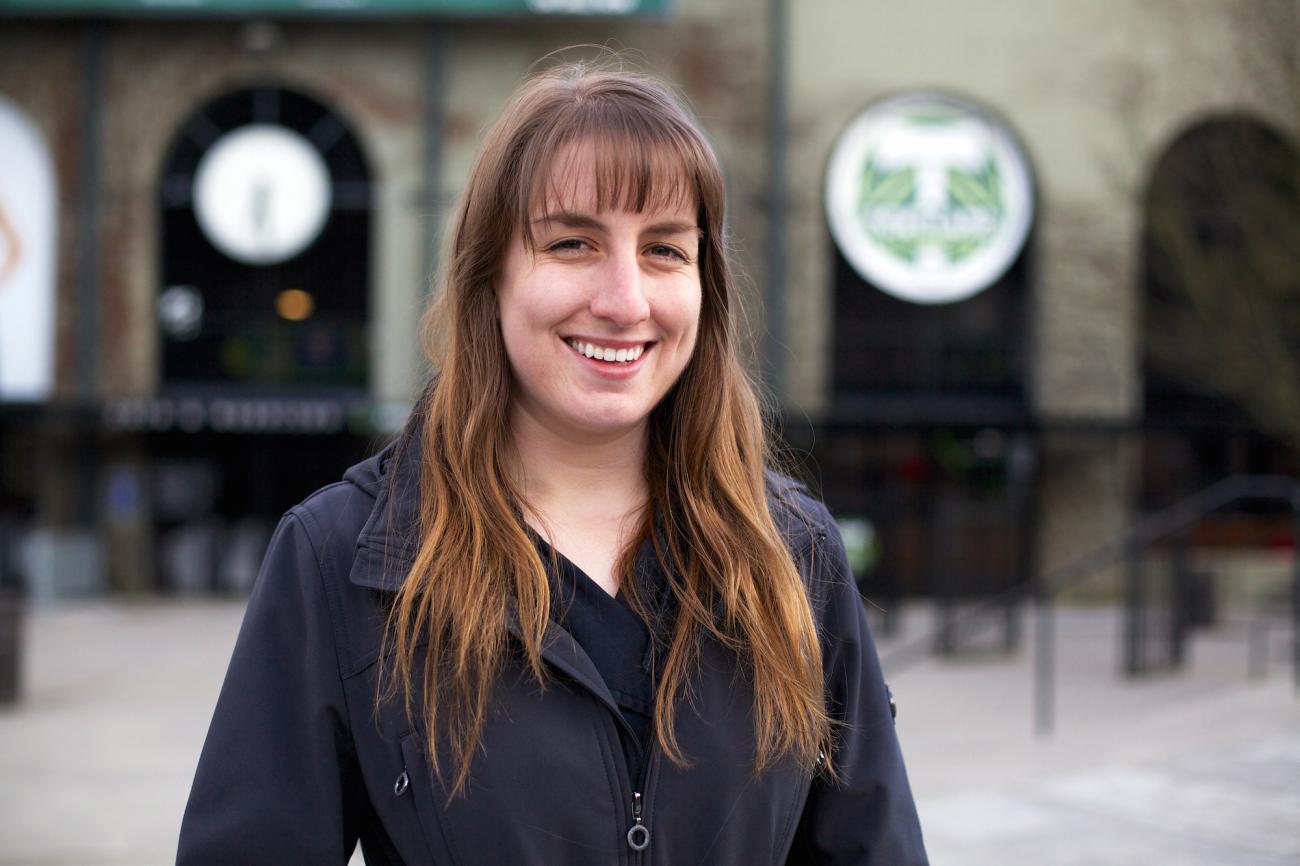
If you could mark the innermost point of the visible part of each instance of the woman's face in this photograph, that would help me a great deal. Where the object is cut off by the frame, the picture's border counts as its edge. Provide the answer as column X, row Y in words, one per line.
column 600, row 318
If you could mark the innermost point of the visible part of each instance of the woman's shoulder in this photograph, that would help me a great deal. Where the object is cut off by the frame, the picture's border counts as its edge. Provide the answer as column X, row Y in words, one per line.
column 321, row 570
column 348, row 525
column 813, row 538
column 339, row 512
column 801, row 517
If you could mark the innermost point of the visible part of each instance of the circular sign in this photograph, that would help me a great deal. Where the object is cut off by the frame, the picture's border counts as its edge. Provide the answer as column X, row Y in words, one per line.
column 262, row 194
column 929, row 198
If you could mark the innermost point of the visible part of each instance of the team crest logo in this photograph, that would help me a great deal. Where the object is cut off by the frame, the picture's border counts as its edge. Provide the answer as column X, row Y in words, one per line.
column 929, row 198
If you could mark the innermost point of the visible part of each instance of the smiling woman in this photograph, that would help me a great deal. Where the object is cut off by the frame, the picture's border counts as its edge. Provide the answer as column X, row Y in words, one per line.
column 569, row 616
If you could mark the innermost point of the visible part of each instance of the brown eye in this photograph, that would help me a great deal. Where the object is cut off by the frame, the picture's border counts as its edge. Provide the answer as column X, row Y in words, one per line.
column 568, row 245
column 667, row 251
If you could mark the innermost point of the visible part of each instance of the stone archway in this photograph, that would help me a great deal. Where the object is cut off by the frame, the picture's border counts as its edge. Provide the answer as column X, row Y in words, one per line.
column 1221, row 312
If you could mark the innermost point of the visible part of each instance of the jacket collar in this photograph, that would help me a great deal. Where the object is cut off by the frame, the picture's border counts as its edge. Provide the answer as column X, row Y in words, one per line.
column 386, row 549
column 386, row 545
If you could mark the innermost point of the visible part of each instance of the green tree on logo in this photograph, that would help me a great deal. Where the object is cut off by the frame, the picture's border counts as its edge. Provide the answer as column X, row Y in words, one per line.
column 891, row 189
column 973, row 190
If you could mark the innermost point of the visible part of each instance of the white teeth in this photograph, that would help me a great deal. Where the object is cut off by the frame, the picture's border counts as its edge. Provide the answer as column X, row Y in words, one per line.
column 607, row 353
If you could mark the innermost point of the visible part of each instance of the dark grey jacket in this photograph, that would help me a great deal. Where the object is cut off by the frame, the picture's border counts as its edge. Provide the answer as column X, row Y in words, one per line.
column 297, row 767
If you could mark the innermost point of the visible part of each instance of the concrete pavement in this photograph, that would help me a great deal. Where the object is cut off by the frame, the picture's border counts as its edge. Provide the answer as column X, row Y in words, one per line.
column 1201, row 768
column 1195, row 769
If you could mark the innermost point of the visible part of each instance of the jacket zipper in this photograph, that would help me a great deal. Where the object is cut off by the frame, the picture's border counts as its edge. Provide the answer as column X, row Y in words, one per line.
column 638, row 835
column 638, row 832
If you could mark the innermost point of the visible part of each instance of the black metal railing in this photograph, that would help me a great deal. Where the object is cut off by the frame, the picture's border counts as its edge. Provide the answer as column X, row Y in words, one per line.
column 1127, row 547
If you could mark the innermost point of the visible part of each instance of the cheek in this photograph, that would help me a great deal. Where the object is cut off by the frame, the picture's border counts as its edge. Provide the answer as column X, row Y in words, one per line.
column 525, row 312
column 688, row 316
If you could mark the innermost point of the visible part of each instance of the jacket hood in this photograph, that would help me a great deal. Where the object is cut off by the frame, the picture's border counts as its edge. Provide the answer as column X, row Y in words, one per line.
column 386, row 545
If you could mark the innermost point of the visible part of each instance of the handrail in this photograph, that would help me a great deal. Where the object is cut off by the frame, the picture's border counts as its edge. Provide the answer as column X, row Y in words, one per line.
column 1145, row 532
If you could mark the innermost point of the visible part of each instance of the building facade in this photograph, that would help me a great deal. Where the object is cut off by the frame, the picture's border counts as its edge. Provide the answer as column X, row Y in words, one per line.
column 205, row 378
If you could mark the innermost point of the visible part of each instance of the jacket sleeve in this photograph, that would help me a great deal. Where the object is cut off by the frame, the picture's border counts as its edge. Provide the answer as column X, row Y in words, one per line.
column 867, row 816
column 277, row 777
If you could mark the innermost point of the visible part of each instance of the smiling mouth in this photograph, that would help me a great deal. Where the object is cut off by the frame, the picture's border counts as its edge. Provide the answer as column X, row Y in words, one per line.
column 609, row 354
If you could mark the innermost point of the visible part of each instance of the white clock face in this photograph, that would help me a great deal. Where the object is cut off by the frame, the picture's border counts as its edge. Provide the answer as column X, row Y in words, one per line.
column 262, row 194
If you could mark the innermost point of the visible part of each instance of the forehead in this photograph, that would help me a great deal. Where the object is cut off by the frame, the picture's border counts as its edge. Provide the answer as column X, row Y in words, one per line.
column 592, row 177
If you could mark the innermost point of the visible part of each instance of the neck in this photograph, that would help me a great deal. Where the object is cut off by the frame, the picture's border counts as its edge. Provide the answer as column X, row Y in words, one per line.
column 564, row 476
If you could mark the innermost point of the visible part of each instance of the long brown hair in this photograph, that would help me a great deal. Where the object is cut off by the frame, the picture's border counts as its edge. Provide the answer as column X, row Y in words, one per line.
column 729, row 570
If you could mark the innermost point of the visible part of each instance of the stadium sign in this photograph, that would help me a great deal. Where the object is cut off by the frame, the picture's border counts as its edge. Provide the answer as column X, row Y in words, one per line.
column 929, row 198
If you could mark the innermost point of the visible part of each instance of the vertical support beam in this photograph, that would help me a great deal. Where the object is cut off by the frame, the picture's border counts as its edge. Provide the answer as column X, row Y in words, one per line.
column 79, row 475
column 88, row 315
column 435, row 86
column 774, row 345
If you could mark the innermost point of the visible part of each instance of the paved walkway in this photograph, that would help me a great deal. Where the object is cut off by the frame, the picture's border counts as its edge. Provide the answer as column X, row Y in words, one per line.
column 1198, row 769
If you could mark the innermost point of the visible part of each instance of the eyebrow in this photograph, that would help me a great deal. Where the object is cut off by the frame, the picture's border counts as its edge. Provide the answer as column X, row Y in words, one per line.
column 586, row 221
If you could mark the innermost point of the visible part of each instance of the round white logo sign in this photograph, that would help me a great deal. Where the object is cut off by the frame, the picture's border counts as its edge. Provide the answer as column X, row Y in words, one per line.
column 262, row 194
column 929, row 198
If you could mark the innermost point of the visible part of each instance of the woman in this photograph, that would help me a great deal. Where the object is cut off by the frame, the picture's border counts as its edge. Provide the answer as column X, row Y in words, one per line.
column 568, row 617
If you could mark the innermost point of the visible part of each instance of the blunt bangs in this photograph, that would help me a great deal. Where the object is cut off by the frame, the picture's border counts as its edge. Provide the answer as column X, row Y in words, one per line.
column 643, row 158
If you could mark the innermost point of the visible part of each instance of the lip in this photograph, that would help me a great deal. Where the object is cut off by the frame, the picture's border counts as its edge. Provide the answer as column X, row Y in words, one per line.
column 606, row 369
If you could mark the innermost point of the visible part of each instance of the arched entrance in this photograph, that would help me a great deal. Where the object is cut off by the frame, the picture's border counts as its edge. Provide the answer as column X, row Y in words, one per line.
column 1221, row 366
column 266, row 205
column 1221, row 315
column 264, row 305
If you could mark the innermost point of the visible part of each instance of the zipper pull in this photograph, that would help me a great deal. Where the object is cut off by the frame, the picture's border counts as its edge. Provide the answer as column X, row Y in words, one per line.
column 638, row 835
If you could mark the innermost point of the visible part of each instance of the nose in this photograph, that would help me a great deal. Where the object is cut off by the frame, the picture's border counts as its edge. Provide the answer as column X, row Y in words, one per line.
column 620, row 291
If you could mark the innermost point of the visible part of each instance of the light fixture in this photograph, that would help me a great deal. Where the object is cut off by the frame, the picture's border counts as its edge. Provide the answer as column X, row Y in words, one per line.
column 295, row 305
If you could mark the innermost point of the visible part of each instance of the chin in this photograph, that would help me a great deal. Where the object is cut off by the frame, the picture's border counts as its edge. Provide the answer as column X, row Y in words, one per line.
column 612, row 419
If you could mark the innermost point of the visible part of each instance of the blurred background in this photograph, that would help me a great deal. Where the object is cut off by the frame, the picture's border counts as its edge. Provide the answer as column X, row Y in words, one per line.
column 1021, row 280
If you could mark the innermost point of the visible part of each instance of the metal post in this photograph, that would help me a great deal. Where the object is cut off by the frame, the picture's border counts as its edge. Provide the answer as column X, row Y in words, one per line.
column 1044, row 662
column 1043, row 598
column 945, row 644
column 1180, row 602
column 1134, row 615
column 1295, row 586
column 1257, row 646
column 4, row 554
column 1011, row 621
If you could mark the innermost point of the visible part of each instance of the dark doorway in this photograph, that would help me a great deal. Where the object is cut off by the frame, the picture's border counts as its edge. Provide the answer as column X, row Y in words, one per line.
column 297, row 320
column 1221, row 312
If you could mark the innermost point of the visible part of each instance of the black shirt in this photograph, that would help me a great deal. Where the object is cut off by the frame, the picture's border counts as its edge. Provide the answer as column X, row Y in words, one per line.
column 616, row 639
